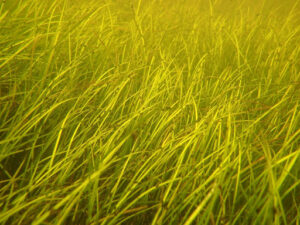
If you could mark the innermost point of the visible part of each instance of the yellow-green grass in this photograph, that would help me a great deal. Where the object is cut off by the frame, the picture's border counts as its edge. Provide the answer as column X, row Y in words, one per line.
column 149, row 112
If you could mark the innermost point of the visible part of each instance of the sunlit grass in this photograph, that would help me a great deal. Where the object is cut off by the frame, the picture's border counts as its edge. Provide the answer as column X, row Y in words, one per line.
column 149, row 112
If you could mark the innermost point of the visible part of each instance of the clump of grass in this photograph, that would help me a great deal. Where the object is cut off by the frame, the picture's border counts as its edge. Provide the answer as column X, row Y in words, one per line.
column 149, row 112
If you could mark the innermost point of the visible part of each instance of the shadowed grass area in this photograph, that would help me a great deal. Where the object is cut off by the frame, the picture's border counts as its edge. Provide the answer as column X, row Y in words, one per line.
column 149, row 112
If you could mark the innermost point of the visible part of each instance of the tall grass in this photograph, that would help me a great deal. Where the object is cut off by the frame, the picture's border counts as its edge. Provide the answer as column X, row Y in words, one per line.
column 149, row 112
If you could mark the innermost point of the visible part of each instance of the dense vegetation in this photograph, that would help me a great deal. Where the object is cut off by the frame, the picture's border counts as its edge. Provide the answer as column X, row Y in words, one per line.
column 149, row 112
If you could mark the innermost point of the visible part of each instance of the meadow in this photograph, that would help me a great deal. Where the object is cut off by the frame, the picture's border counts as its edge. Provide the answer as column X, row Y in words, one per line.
column 149, row 112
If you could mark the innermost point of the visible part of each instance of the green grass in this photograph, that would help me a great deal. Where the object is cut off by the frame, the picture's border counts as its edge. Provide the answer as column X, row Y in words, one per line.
column 149, row 112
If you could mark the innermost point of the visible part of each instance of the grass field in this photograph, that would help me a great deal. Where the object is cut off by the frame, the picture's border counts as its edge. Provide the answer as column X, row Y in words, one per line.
column 149, row 112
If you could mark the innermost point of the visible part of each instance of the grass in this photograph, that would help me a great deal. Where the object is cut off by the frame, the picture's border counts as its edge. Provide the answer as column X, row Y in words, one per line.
column 149, row 112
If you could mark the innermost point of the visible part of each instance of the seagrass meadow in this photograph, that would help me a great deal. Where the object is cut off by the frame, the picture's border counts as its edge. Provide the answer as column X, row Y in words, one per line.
column 150, row 112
